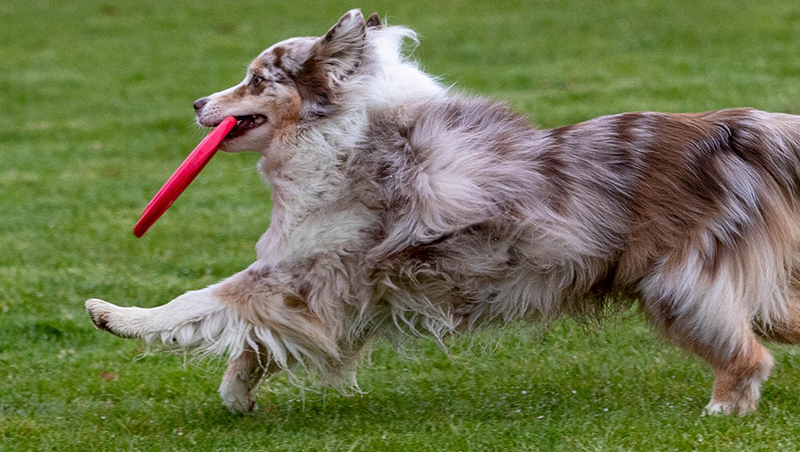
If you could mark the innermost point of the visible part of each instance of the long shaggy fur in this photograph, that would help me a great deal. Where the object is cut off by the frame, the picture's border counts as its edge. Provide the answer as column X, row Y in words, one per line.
column 404, row 208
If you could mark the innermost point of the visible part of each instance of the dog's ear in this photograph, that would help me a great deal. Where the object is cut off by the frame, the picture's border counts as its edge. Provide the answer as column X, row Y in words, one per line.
column 374, row 21
column 335, row 57
column 341, row 50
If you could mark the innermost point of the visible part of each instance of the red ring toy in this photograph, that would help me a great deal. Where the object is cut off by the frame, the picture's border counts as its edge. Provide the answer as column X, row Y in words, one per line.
column 183, row 176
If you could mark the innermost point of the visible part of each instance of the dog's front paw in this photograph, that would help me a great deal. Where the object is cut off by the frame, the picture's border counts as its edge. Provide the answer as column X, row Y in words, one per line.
column 104, row 315
column 99, row 311
column 237, row 396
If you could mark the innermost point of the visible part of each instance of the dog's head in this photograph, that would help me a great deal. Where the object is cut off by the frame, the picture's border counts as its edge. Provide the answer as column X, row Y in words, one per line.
column 292, row 82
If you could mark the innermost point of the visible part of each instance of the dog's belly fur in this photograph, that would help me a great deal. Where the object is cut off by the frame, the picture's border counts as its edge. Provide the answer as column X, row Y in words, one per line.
column 425, row 212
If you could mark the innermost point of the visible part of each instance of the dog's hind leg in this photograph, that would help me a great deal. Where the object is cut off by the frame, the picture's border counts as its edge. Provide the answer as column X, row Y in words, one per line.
column 738, row 377
column 703, row 315
column 785, row 327
column 739, row 361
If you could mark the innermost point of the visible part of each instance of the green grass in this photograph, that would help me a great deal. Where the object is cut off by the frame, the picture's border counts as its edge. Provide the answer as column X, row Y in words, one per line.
column 95, row 112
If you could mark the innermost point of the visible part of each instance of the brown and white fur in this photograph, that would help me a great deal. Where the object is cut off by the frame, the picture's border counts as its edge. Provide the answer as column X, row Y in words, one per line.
column 403, row 208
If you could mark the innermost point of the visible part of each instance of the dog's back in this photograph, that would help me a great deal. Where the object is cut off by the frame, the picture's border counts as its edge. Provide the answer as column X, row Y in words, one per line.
column 469, row 188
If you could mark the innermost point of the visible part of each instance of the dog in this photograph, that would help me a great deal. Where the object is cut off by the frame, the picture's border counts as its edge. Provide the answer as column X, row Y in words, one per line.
column 403, row 208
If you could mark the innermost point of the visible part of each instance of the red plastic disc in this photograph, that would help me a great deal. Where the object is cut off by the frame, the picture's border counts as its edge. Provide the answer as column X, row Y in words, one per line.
column 183, row 176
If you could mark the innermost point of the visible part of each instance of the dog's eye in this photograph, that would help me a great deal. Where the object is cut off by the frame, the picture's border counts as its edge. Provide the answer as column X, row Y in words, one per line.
column 257, row 80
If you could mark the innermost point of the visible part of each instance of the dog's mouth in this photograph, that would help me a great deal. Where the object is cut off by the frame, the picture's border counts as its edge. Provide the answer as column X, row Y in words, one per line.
column 246, row 124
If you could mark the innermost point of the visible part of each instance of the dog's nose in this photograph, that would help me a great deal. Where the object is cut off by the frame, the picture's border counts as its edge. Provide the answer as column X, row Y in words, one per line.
column 200, row 103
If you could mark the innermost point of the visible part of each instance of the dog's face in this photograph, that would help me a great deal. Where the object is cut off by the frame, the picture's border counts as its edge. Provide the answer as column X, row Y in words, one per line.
column 290, row 83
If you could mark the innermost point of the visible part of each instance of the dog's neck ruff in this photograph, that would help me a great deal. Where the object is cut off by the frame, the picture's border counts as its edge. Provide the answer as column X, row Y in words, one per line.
column 311, row 175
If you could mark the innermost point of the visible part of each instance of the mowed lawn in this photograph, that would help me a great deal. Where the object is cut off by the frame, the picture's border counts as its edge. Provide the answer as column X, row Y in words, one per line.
column 95, row 113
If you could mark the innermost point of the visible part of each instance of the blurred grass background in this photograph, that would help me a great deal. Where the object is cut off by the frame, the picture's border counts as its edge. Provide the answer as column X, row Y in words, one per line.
column 95, row 113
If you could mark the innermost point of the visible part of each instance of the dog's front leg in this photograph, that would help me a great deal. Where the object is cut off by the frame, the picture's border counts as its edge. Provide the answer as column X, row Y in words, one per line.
column 195, row 320
column 261, row 317
column 242, row 378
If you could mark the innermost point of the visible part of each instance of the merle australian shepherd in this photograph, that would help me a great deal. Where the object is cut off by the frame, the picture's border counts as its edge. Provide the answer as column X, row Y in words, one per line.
column 403, row 208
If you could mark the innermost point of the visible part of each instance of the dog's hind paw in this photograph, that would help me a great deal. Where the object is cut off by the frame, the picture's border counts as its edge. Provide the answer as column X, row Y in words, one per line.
column 716, row 409
column 740, row 407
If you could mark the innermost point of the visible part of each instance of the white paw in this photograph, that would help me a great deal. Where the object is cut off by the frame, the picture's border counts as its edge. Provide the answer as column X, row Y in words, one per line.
column 102, row 314
column 127, row 322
